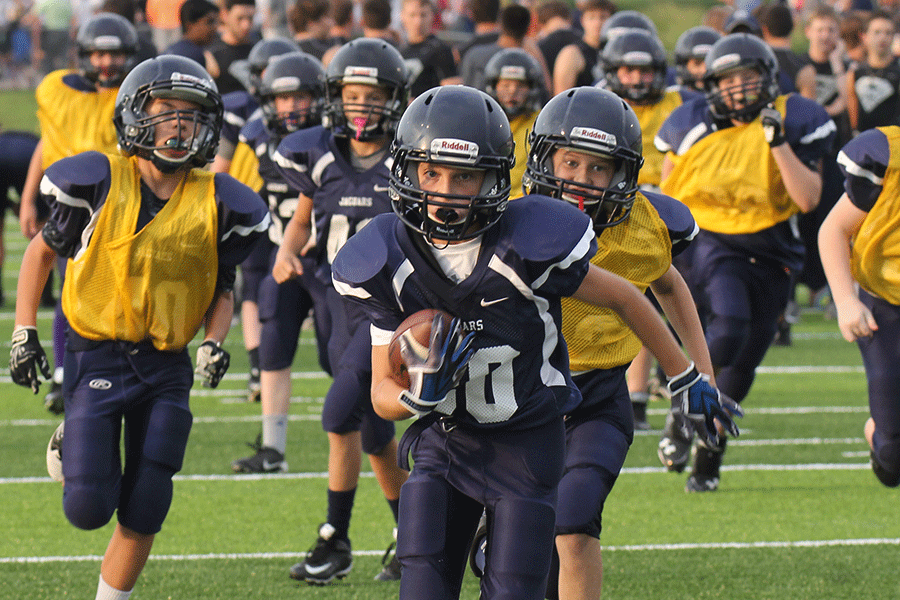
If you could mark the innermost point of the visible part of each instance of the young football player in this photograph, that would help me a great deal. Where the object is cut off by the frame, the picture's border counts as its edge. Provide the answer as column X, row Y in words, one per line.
column 290, row 92
column 240, row 161
column 75, row 111
column 586, row 149
column 515, row 80
column 342, row 172
column 745, row 160
column 490, row 395
column 152, row 242
column 858, row 243
column 690, row 56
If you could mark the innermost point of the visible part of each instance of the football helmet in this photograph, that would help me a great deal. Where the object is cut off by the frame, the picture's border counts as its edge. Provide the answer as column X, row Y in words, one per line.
column 262, row 54
column 169, row 76
column 368, row 61
column 514, row 63
column 635, row 48
column 740, row 51
column 456, row 126
column 622, row 21
column 693, row 44
column 590, row 120
column 106, row 32
column 292, row 72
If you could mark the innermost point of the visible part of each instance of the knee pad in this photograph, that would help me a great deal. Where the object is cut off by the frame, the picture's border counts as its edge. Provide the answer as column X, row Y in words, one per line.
column 725, row 336
column 146, row 496
column 582, row 495
column 886, row 460
column 92, row 472
column 376, row 433
column 345, row 401
column 166, row 437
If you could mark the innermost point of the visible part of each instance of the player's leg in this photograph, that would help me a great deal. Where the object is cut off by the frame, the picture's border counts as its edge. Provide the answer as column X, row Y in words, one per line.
column 597, row 442
column 282, row 309
column 254, row 270
column 879, row 354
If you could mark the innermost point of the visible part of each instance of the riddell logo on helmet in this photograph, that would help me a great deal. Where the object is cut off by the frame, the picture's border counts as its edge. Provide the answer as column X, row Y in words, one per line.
column 513, row 72
column 361, row 72
column 726, row 61
column 185, row 77
column 454, row 150
column 637, row 58
column 594, row 135
column 107, row 42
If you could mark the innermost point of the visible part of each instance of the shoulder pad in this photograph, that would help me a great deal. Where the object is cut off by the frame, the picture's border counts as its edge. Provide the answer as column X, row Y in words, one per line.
column 541, row 228
column 253, row 131
column 75, row 81
column 239, row 103
column 347, row 266
column 236, row 196
column 304, row 141
column 677, row 217
column 84, row 170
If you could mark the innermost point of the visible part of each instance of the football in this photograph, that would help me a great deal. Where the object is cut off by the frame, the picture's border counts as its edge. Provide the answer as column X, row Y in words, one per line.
column 417, row 330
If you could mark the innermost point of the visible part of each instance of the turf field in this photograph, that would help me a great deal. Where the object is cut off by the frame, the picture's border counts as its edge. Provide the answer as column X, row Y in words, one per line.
column 798, row 515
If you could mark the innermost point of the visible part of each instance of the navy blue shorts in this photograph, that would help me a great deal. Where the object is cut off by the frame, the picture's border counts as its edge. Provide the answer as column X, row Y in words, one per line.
column 16, row 150
column 108, row 384
column 255, row 268
column 598, row 435
column 282, row 310
column 513, row 475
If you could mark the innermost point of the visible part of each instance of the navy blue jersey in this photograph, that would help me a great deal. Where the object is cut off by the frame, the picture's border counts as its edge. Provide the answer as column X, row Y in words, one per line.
column 239, row 107
column 280, row 195
column 864, row 163
column 76, row 189
column 344, row 200
column 519, row 374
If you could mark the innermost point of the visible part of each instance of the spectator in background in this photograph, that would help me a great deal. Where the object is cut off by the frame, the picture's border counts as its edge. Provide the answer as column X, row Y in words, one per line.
column 873, row 86
column 716, row 17
column 199, row 20
column 777, row 23
column 163, row 18
column 376, row 21
column 485, row 14
column 342, row 16
column 429, row 61
column 51, row 34
column 514, row 22
column 311, row 24
column 575, row 63
column 146, row 47
column 555, row 20
column 275, row 20
column 853, row 24
column 237, row 39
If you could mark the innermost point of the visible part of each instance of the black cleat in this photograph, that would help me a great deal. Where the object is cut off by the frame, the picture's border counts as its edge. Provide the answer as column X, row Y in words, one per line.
column 328, row 559
column 53, row 401
column 701, row 483
column 887, row 478
column 391, row 568
column 266, row 460
column 478, row 549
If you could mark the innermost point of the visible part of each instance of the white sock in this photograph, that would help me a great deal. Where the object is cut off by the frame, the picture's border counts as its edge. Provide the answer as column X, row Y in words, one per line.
column 274, row 430
column 107, row 592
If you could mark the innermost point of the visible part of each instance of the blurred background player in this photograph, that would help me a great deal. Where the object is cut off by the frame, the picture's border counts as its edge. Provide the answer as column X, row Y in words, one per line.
column 634, row 68
column 342, row 172
column 237, row 38
column 859, row 248
column 586, row 149
column 690, row 56
column 156, row 227
column 290, row 94
column 75, row 112
column 574, row 65
column 429, row 60
column 490, row 399
column 199, row 20
column 240, row 161
column 16, row 150
column 745, row 160
column 516, row 81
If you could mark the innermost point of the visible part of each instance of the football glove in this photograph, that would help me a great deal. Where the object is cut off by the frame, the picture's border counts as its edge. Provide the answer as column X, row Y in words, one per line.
column 212, row 362
column 433, row 376
column 773, row 126
column 26, row 358
column 693, row 396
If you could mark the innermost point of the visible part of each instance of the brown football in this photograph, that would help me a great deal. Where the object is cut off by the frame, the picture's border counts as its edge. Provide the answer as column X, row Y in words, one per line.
column 419, row 326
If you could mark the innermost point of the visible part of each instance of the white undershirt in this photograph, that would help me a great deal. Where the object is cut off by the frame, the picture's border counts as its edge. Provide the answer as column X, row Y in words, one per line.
column 458, row 260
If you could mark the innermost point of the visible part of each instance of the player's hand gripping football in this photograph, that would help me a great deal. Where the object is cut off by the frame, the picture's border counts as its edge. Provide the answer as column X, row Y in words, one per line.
column 433, row 376
column 773, row 126
column 703, row 404
column 212, row 362
column 26, row 358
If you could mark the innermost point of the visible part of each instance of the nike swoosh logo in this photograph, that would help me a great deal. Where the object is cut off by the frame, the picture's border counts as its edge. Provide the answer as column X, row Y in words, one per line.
column 269, row 466
column 489, row 302
column 316, row 570
column 380, row 188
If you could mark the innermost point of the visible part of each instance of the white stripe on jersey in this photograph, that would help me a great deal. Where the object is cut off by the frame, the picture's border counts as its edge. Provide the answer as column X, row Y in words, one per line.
column 820, row 133
column 243, row 230
column 854, row 169
column 320, row 167
column 285, row 163
column 48, row 188
column 399, row 279
column 345, row 289
column 549, row 375
column 577, row 253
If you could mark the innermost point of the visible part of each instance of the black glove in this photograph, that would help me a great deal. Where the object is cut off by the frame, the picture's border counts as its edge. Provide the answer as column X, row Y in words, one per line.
column 26, row 357
column 212, row 362
column 433, row 376
column 773, row 126
column 693, row 396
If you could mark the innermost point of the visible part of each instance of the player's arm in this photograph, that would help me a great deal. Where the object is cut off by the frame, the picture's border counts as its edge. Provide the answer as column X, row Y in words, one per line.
column 803, row 184
column 806, row 82
column 667, row 167
column 675, row 298
column 36, row 265
column 296, row 236
column 385, row 390
column 218, row 317
column 569, row 63
column 854, row 319
column 28, row 213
